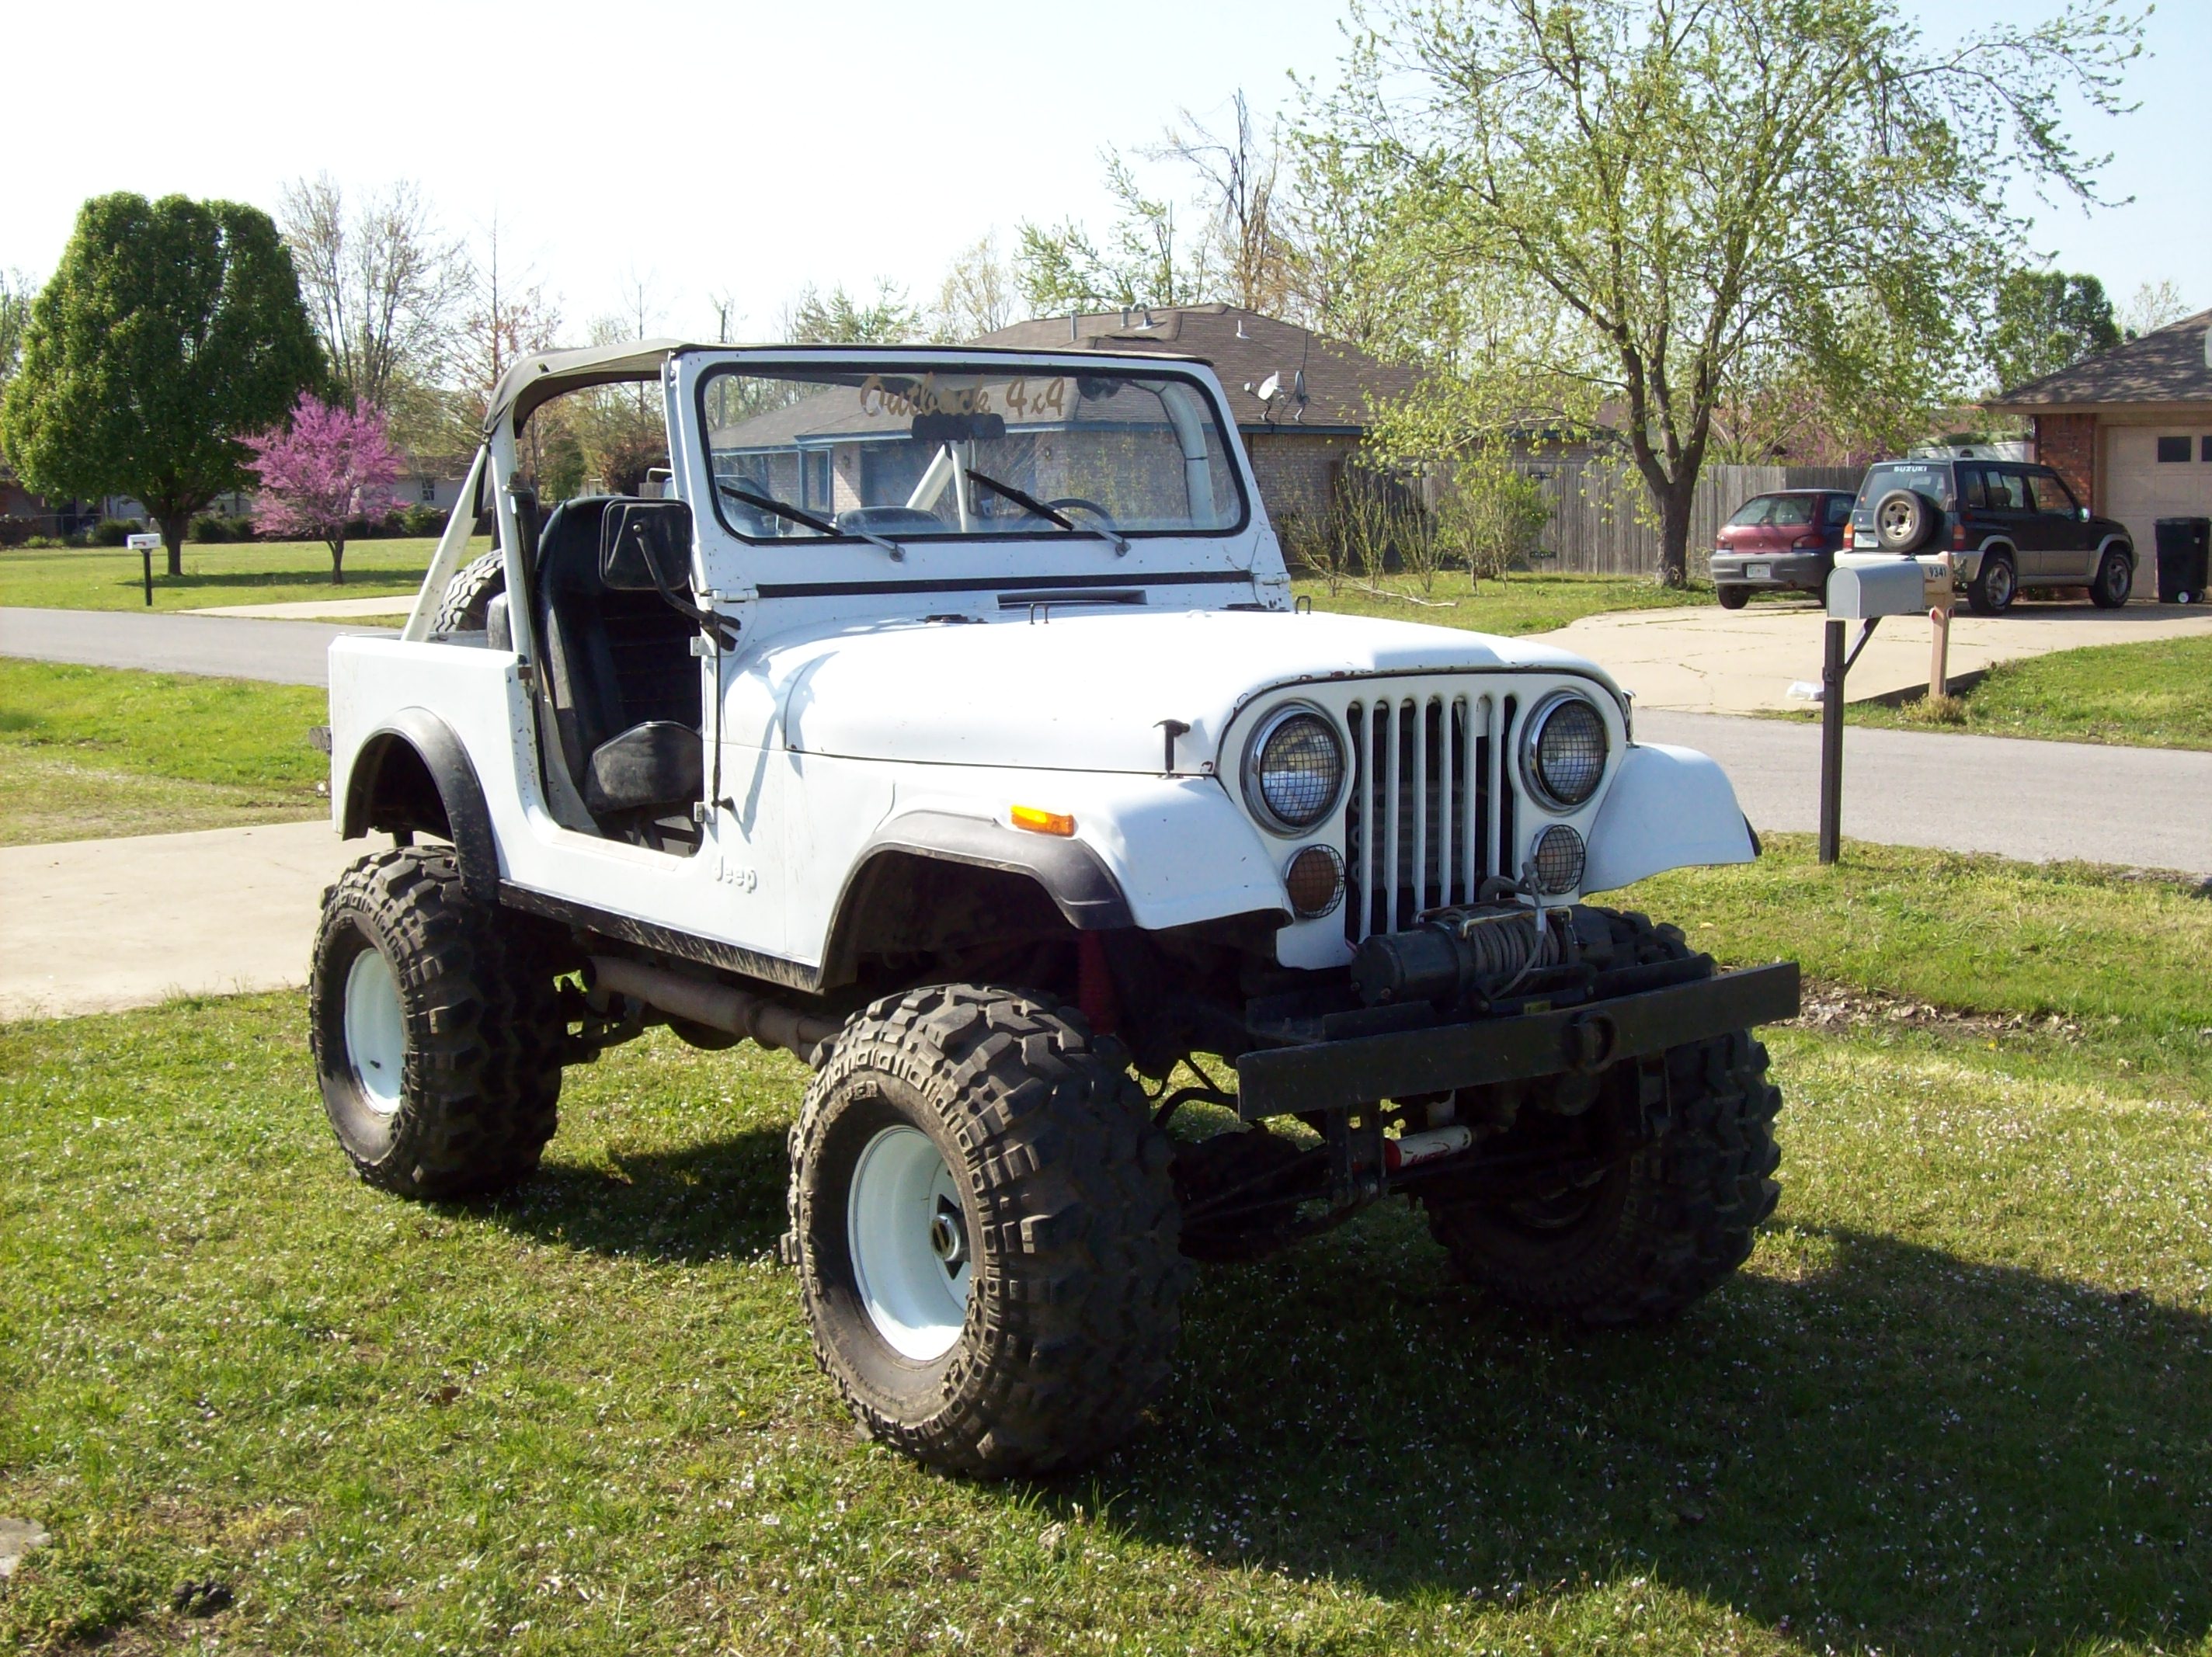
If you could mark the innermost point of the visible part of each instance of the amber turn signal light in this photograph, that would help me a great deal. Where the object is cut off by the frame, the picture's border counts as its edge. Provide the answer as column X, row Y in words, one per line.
column 1042, row 823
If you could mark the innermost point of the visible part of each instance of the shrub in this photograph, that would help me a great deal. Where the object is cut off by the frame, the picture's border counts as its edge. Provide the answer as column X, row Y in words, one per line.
column 116, row 531
column 424, row 520
column 14, row 531
column 214, row 527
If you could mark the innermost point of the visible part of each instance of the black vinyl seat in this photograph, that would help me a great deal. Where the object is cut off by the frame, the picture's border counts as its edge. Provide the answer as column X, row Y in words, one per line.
column 620, row 674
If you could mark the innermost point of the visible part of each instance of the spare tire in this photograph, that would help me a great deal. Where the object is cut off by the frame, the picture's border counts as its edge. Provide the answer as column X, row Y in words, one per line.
column 1905, row 520
column 469, row 595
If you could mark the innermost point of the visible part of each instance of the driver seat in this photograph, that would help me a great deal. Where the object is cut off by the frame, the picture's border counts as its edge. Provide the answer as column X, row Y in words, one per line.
column 620, row 676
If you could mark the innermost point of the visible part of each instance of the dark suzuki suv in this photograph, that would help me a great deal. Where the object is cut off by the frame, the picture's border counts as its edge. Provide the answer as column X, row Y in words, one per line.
column 2007, row 526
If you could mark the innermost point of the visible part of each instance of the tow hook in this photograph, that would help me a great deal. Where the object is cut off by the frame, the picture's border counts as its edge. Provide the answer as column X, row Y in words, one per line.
column 1587, row 1044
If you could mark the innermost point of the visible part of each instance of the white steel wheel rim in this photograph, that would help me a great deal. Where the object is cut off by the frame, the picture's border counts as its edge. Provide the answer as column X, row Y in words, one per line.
column 375, row 1030
column 1897, row 518
column 2000, row 581
column 906, row 1231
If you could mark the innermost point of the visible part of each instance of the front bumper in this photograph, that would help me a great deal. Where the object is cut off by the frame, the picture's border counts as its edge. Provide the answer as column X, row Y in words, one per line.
column 1344, row 1074
column 1786, row 572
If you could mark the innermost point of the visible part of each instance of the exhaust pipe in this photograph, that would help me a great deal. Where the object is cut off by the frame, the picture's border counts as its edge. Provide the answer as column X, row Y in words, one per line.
column 718, row 1006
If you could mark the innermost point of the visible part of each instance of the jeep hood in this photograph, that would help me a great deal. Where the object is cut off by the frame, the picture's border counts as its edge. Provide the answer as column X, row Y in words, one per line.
column 1083, row 692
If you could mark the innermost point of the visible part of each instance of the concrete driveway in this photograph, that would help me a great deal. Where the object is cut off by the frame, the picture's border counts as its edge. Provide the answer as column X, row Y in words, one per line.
column 94, row 925
column 288, row 652
column 1711, row 660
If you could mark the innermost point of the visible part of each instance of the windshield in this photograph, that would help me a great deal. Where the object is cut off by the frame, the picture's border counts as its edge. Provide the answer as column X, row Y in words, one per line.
column 905, row 454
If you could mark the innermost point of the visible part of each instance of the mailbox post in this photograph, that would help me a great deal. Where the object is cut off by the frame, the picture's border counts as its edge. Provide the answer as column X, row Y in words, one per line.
column 1863, row 588
column 143, row 545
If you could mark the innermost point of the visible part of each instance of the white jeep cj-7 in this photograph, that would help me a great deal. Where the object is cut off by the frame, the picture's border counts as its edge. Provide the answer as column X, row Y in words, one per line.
column 945, row 719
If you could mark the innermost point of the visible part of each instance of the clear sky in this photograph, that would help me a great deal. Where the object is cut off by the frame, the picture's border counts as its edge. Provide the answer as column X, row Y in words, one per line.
column 746, row 149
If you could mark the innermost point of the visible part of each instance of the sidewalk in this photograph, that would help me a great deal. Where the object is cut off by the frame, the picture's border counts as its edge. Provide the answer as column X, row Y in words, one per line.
column 1711, row 660
column 394, row 608
column 96, row 925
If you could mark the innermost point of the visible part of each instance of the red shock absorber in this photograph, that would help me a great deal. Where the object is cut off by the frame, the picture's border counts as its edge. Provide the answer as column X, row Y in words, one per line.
column 1094, row 985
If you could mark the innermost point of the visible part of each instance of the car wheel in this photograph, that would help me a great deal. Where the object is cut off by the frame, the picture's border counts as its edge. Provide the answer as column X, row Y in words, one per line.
column 1903, row 519
column 984, row 1222
column 1733, row 598
column 2114, row 577
column 1622, row 1215
column 1993, row 587
column 436, row 1027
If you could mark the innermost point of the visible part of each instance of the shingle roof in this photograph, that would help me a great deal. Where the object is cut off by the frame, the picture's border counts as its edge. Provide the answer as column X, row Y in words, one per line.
column 2167, row 365
column 1245, row 348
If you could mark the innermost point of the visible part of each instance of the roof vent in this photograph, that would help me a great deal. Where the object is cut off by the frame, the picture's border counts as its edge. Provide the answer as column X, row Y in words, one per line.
column 1073, row 333
column 2207, row 347
column 1240, row 334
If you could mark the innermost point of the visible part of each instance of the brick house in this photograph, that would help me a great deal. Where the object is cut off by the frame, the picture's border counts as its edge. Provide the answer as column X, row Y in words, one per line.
column 2130, row 429
column 1299, row 437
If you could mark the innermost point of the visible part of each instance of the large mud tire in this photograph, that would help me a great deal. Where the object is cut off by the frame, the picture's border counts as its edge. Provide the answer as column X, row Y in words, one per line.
column 461, row 1095
column 1685, row 1180
column 469, row 595
column 1073, row 1277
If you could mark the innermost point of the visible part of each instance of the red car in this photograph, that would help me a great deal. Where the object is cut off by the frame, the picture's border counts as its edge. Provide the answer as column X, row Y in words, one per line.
column 1785, row 541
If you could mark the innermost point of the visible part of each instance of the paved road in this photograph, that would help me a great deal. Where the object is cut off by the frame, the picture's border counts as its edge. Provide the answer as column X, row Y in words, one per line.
column 2148, row 808
column 288, row 652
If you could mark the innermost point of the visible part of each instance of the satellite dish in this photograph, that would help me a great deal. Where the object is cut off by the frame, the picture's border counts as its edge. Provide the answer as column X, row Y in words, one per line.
column 1268, row 387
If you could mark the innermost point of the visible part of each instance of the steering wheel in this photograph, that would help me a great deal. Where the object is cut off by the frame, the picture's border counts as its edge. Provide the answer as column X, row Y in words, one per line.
column 1081, row 505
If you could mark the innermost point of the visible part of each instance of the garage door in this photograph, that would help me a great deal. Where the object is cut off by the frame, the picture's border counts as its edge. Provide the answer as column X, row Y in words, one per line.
column 2154, row 472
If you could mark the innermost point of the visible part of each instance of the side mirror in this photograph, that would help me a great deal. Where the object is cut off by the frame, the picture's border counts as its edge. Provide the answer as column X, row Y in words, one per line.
column 645, row 546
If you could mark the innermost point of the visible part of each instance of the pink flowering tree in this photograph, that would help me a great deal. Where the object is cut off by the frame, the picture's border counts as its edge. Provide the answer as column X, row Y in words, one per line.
column 325, row 466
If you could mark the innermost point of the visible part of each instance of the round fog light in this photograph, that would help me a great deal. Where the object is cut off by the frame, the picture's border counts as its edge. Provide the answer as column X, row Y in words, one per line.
column 1558, row 859
column 1316, row 879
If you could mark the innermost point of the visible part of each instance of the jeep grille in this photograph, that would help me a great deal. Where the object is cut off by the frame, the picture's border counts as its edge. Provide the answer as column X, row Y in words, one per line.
column 1432, row 803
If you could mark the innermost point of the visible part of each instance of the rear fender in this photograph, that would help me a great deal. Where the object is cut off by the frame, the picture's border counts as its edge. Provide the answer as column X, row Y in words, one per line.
column 413, row 773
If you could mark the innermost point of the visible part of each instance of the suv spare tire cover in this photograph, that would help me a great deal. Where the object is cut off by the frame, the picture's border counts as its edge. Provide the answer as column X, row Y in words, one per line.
column 1903, row 518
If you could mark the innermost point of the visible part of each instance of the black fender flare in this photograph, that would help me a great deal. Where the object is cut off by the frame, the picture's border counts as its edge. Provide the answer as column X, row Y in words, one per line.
column 468, row 818
column 1068, row 871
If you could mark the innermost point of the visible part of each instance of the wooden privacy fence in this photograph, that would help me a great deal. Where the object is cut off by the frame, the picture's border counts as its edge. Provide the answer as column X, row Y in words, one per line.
column 1604, row 522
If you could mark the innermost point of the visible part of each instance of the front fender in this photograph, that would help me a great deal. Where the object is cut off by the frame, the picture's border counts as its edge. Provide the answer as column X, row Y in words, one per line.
column 1668, row 808
column 1175, row 848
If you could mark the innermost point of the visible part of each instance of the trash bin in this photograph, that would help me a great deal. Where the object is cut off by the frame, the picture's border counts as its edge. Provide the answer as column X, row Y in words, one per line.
column 2185, row 559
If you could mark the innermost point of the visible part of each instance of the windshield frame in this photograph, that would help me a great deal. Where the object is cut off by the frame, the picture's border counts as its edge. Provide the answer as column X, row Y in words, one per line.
column 981, row 360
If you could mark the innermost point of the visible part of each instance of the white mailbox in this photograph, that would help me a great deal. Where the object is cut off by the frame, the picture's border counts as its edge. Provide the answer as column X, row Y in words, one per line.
column 1866, row 586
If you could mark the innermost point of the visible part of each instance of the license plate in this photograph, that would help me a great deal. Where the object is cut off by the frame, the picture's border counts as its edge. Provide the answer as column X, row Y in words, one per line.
column 1757, row 572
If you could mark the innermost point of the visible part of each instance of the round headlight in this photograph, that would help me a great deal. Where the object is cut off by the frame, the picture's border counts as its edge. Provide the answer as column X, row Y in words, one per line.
column 1315, row 880
column 1558, row 856
column 1563, row 757
column 1294, row 769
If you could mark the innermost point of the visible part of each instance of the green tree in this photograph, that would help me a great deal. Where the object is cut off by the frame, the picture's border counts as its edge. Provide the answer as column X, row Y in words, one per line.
column 1689, row 184
column 841, row 320
column 170, row 330
column 2046, row 320
column 15, row 295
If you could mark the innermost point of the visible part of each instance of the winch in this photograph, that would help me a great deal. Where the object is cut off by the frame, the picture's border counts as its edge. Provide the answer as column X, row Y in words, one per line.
column 1488, row 951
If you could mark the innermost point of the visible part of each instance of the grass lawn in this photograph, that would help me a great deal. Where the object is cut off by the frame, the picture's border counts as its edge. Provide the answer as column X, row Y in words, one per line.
column 247, row 573
column 1519, row 603
column 87, row 752
column 2154, row 694
column 1960, row 1398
